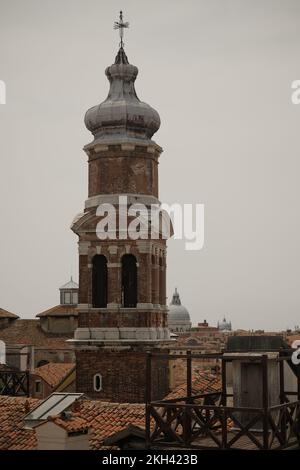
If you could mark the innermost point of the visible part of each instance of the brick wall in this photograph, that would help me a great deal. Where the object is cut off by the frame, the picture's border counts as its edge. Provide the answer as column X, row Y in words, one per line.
column 123, row 375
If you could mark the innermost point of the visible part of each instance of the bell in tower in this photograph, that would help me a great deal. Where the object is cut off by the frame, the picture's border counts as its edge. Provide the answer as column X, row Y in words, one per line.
column 122, row 280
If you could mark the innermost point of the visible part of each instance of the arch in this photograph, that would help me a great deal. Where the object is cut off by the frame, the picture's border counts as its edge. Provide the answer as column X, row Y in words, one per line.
column 129, row 281
column 99, row 282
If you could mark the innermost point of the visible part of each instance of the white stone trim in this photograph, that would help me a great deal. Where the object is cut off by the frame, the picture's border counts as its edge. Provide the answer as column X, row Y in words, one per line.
column 122, row 334
column 113, row 249
column 144, row 306
column 100, row 148
column 127, row 146
column 132, row 198
column 83, row 247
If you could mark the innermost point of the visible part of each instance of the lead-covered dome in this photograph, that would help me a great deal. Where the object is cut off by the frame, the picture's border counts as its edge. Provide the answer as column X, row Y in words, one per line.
column 122, row 114
column 178, row 318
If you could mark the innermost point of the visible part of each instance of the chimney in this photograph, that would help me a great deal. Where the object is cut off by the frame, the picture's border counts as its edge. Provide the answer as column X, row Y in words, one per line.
column 67, row 431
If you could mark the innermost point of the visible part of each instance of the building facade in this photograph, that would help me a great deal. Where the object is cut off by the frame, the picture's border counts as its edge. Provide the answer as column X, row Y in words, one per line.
column 122, row 281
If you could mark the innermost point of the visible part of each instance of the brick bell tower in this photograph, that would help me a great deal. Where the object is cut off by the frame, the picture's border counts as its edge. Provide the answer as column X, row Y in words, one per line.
column 122, row 282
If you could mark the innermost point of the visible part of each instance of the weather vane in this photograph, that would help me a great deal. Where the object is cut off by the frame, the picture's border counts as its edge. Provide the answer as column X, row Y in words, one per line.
column 121, row 25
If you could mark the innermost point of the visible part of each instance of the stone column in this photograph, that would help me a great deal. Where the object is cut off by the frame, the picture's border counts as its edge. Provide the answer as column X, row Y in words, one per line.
column 113, row 278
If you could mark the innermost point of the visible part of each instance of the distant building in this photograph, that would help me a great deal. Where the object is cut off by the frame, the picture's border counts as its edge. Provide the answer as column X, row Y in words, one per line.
column 179, row 320
column 224, row 325
column 34, row 342
column 52, row 377
column 63, row 317
column 7, row 318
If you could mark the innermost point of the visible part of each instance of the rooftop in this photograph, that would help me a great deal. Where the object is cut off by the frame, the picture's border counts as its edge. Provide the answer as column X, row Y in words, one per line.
column 59, row 311
column 29, row 332
column 6, row 314
column 54, row 373
column 105, row 419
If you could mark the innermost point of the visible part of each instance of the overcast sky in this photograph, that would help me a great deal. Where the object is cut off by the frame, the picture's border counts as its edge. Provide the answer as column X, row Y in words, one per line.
column 219, row 72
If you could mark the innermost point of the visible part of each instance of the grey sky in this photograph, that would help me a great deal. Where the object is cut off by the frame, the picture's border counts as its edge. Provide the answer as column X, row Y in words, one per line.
column 219, row 72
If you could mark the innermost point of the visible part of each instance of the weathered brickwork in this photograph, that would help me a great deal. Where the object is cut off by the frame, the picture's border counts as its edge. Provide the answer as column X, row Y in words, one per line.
column 123, row 375
column 123, row 160
column 151, row 269
column 121, row 171
column 131, row 318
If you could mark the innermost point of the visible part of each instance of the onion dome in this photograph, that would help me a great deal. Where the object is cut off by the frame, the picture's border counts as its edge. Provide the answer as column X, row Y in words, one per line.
column 122, row 114
column 179, row 318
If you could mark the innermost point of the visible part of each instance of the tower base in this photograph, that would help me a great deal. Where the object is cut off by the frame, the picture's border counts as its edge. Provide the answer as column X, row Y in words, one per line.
column 123, row 374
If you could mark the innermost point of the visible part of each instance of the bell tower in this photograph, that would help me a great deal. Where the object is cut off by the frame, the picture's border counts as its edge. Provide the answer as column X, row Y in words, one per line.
column 122, row 281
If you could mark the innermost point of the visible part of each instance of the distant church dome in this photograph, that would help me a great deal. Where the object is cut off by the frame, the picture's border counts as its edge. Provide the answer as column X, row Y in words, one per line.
column 122, row 114
column 179, row 318
column 224, row 325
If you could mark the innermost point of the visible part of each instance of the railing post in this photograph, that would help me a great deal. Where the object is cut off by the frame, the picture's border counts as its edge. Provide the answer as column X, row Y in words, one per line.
column 224, row 428
column 28, row 382
column 281, row 381
column 297, row 424
column 224, row 380
column 298, row 381
column 282, row 412
column 148, row 398
column 189, row 376
column 265, row 401
column 187, row 417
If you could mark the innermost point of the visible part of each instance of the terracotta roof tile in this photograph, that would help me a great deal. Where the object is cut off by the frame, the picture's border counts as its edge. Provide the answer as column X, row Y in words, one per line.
column 73, row 424
column 54, row 373
column 104, row 419
column 202, row 382
column 12, row 432
column 30, row 332
column 6, row 314
column 59, row 311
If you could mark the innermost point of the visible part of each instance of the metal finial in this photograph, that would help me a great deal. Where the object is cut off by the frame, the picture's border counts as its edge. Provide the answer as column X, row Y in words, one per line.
column 121, row 25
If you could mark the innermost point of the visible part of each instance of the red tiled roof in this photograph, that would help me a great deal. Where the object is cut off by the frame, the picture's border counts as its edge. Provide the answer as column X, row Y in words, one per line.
column 6, row 314
column 59, row 311
column 108, row 418
column 202, row 382
column 104, row 419
column 73, row 424
column 30, row 332
column 12, row 432
column 54, row 373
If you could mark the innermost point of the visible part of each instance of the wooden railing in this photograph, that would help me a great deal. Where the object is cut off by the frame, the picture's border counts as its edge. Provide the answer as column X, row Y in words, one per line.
column 14, row 383
column 207, row 425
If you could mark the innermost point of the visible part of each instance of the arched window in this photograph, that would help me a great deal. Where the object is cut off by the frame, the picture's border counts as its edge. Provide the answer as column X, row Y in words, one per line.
column 97, row 382
column 99, row 282
column 129, row 281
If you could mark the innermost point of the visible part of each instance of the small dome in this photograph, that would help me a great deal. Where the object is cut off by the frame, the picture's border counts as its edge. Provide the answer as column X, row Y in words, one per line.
column 178, row 317
column 122, row 114
column 224, row 325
